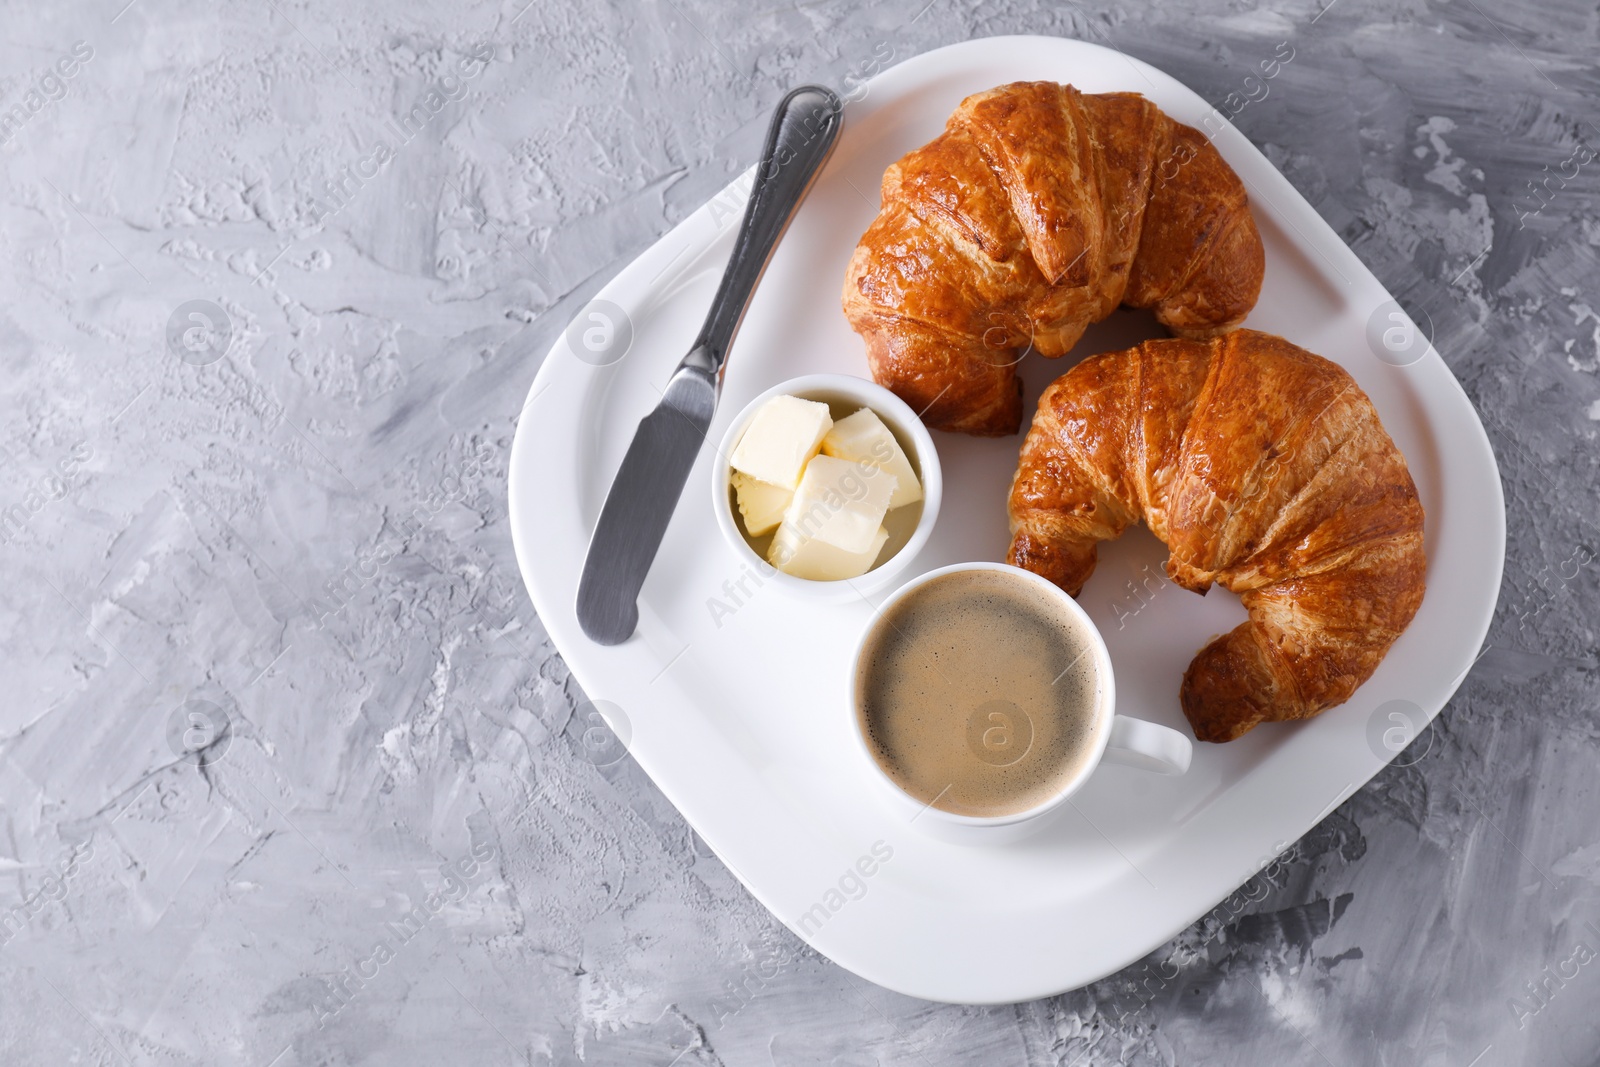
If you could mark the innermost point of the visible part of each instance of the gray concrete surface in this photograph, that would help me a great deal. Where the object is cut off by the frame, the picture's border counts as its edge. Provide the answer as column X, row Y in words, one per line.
column 300, row 531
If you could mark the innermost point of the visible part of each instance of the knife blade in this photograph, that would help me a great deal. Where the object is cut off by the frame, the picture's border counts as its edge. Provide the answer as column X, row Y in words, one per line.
column 645, row 491
column 640, row 504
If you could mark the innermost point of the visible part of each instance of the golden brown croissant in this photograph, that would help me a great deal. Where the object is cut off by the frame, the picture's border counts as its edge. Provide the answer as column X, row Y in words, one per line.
column 1034, row 214
column 1263, row 468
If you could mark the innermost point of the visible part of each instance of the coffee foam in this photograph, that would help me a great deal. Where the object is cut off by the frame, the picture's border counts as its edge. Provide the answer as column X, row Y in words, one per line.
column 978, row 693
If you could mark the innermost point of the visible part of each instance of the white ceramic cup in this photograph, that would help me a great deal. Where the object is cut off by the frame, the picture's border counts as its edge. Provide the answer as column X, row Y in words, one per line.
column 1117, row 738
column 852, row 392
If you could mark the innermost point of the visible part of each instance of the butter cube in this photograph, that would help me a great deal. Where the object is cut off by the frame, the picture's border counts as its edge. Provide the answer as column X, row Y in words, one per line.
column 818, row 560
column 840, row 503
column 785, row 432
column 761, row 504
column 864, row 438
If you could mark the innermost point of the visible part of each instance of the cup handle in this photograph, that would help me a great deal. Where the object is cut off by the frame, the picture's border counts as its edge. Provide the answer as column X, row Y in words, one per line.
column 1136, row 743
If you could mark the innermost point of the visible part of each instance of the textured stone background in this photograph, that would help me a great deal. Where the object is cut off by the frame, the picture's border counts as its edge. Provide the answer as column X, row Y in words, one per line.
column 307, row 538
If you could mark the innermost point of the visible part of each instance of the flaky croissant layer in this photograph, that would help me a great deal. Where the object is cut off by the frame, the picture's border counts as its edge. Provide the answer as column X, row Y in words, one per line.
column 1264, row 469
column 1036, row 213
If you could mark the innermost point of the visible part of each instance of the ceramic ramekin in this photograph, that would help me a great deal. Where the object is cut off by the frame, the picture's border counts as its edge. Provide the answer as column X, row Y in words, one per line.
column 907, row 429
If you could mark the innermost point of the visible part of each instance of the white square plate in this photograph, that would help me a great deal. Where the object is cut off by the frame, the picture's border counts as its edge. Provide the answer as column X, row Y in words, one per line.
column 742, row 719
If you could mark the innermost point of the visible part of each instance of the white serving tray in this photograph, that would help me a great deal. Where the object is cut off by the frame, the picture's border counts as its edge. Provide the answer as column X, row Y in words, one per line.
column 742, row 720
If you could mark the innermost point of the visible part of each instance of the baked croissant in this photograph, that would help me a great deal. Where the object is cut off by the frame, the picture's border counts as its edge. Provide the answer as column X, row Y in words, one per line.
column 1264, row 469
column 1035, row 214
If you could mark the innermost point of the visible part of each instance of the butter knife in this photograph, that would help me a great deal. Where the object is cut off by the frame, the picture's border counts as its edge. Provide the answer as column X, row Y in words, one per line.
column 645, row 492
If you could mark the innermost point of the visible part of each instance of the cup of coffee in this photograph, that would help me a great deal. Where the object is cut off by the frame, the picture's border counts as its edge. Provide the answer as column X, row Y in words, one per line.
column 983, row 699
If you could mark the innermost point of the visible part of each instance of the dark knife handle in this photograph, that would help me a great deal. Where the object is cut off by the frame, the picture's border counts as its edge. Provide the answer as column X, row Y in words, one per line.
column 803, row 132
